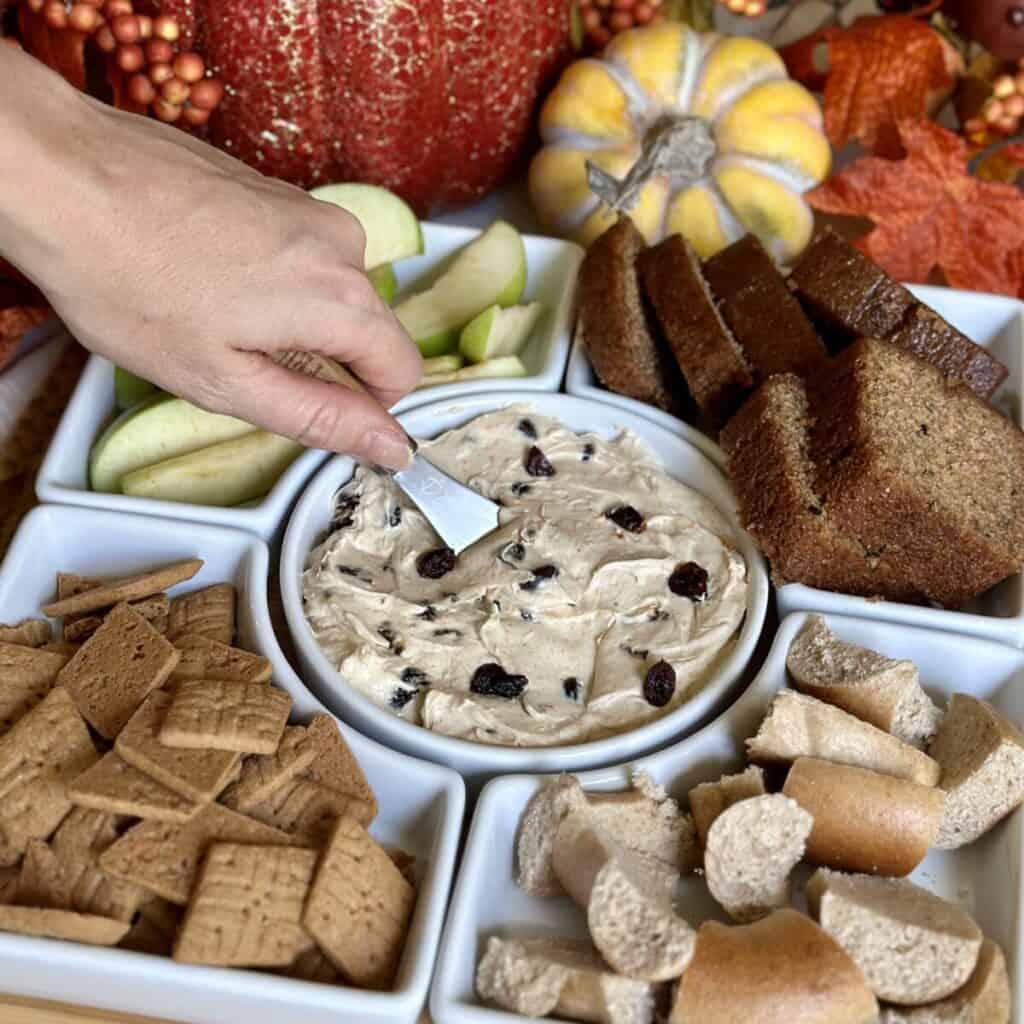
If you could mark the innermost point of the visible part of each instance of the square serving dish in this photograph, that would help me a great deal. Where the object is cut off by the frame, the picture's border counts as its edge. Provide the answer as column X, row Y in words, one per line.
column 984, row 877
column 994, row 322
column 552, row 265
column 421, row 805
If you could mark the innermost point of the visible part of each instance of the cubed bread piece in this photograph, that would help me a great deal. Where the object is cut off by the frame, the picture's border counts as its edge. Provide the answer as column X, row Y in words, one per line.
column 709, row 799
column 880, row 690
column 783, row 968
column 762, row 312
column 625, row 354
column 542, row 977
column 919, row 466
column 984, row 999
column 768, row 447
column 913, row 946
column 751, row 850
column 981, row 754
column 716, row 370
column 627, row 900
column 802, row 726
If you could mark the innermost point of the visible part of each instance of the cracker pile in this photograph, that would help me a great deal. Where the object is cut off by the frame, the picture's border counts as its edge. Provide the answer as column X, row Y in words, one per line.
column 154, row 797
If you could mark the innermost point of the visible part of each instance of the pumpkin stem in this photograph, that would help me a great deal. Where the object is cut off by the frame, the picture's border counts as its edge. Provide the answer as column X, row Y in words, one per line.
column 680, row 147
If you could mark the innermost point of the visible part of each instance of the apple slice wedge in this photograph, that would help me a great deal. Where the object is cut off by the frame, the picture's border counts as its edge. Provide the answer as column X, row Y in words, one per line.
column 384, row 282
column 490, row 270
column 498, row 332
column 503, row 366
column 443, row 364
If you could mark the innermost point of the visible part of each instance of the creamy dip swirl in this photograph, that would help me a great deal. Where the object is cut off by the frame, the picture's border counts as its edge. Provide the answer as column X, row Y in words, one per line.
column 574, row 606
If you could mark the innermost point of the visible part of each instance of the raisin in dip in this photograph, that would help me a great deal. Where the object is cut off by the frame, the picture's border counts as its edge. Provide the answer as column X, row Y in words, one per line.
column 607, row 597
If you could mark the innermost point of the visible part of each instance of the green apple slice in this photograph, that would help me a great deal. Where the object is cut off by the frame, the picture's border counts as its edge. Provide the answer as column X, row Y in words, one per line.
column 392, row 230
column 384, row 282
column 490, row 270
column 159, row 428
column 443, row 364
column 503, row 366
column 129, row 389
column 498, row 332
column 224, row 474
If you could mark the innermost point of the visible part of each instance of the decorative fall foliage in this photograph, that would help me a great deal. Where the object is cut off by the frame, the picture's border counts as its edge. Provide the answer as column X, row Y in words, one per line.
column 879, row 69
column 931, row 214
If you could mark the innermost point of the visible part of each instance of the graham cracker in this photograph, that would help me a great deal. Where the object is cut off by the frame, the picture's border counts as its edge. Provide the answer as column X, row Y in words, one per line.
column 116, row 668
column 336, row 768
column 163, row 916
column 263, row 774
column 63, row 924
column 205, row 713
column 359, row 907
column 145, row 937
column 247, row 907
column 70, row 584
column 303, row 809
column 312, row 965
column 27, row 633
column 198, row 775
column 132, row 588
column 114, row 786
column 9, row 884
column 203, row 658
column 404, row 861
column 28, row 674
column 163, row 858
column 208, row 612
column 39, row 756
column 69, row 650
column 44, row 881
column 155, row 610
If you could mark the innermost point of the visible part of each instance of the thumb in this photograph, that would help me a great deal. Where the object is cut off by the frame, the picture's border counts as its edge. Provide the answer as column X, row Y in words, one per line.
column 318, row 414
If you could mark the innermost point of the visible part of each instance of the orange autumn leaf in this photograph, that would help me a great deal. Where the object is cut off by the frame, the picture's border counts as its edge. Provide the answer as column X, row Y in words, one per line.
column 931, row 213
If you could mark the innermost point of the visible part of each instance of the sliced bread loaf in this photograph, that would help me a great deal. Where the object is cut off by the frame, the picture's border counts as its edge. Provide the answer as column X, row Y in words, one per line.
column 783, row 969
column 921, row 467
column 710, row 799
column 541, row 977
column 864, row 821
column 716, row 371
column 880, row 690
column 764, row 316
column 981, row 754
column 802, row 726
column 625, row 354
column 985, row 999
column 768, row 446
column 913, row 946
column 751, row 850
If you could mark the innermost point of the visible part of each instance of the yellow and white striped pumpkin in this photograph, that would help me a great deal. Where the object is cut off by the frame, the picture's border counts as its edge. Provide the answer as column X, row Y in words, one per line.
column 763, row 136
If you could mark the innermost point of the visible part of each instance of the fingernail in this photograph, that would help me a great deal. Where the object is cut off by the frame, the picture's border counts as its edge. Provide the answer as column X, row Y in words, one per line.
column 390, row 450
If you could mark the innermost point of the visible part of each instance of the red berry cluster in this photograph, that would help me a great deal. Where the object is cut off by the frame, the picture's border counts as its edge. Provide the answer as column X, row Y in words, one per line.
column 748, row 8
column 1001, row 114
column 175, row 84
column 603, row 19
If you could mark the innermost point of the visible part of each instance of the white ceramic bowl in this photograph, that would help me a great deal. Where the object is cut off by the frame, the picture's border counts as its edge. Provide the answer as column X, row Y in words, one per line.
column 985, row 877
column 479, row 761
column 421, row 805
column 994, row 322
column 552, row 265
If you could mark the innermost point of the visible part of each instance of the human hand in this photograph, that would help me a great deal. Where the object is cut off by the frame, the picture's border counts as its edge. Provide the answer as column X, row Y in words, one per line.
column 187, row 267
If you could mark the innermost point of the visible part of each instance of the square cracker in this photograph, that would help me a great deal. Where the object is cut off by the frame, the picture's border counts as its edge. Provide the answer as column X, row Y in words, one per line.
column 203, row 658
column 196, row 774
column 27, row 633
column 163, row 858
column 44, row 880
column 312, row 965
column 115, row 786
column 247, row 717
column 39, row 756
column 247, row 905
column 70, row 585
column 9, row 884
column 359, row 907
column 27, row 674
column 155, row 610
column 132, row 588
column 63, row 924
column 145, row 937
column 116, row 668
column 336, row 767
column 208, row 612
column 264, row 774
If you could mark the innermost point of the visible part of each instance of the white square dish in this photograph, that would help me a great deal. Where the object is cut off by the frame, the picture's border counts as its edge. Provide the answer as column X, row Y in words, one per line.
column 552, row 265
column 994, row 322
column 984, row 877
column 421, row 805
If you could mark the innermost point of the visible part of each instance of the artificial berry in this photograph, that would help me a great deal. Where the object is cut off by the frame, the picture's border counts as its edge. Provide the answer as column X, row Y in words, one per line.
column 195, row 116
column 746, row 8
column 56, row 14
column 116, row 8
column 130, row 58
column 141, row 90
column 83, row 18
column 36, row 6
column 160, row 73
column 169, row 112
column 603, row 19
column 175, row 91
column 145, row 25
column 189, row 67
column 206, row 94
column 166, row 27
column 105, row 39
column 159, row 51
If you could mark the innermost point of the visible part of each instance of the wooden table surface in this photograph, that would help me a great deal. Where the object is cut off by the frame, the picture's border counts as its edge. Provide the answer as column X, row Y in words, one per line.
column 14, row 1010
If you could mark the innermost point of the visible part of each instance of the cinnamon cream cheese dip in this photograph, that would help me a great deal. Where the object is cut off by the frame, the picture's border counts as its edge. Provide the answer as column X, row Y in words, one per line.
column 607, row 597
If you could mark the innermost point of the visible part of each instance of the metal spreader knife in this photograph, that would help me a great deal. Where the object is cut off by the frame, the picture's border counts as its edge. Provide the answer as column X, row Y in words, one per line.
column 457, row 513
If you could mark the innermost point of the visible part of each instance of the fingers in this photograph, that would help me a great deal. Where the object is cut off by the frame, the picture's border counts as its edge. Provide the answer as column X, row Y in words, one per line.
column 316, row 414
